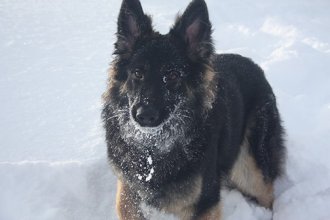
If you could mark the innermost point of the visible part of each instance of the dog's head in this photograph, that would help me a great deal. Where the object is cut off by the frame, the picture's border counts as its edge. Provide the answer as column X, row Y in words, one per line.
column 158, row 75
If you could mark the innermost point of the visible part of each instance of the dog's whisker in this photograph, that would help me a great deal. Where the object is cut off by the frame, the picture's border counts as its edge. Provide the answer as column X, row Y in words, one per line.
column 184, row 116
column 116, row 116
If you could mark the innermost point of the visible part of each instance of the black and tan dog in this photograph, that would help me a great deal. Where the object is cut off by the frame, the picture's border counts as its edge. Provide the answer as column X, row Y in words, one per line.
column 182, row 121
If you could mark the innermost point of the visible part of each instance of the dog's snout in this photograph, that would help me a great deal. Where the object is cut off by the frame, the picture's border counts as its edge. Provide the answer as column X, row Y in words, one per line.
column 147, row 116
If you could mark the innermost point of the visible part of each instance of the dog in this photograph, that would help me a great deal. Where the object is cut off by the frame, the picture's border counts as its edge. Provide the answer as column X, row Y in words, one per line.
column 182, row 121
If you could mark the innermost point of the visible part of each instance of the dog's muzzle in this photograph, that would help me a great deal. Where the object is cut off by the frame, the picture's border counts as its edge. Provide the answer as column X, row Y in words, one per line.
column 146, row 115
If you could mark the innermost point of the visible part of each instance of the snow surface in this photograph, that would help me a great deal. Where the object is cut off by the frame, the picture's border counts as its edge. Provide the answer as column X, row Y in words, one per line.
column 53, row 61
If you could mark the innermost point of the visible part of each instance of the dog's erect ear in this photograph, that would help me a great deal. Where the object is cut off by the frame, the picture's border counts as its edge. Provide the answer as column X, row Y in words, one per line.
column 132, row 24
column 194, row 29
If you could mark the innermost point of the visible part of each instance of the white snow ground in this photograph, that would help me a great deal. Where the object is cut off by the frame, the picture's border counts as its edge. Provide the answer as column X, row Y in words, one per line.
column 53, row 61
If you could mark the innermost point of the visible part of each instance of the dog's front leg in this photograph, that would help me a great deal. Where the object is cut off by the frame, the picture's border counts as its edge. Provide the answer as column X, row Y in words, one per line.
column 127, row 203
column 213, row 213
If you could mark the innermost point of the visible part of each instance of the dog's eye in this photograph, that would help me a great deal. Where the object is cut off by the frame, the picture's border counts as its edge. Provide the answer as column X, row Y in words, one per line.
column 138, row 74
column 171, row 76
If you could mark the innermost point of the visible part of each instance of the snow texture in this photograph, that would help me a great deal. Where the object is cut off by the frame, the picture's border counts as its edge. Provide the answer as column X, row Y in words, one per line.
column 53, row 62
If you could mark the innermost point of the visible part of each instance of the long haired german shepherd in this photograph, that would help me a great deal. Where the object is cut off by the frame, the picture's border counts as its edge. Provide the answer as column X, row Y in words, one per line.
column 182, row 121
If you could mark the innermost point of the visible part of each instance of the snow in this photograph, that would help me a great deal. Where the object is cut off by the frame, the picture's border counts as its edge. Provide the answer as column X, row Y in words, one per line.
column 53, row 62
column 149, row 160
column 148, row 178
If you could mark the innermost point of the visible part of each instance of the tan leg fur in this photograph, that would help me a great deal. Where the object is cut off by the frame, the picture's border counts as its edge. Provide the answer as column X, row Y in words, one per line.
column 248, row 178
column 127, row 204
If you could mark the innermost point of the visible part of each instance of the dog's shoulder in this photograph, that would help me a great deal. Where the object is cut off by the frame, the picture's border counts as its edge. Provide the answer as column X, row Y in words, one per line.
column 238, row 65
column 243, row 74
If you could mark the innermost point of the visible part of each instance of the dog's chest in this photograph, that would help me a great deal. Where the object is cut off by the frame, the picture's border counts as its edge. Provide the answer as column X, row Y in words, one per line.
column 176, row 198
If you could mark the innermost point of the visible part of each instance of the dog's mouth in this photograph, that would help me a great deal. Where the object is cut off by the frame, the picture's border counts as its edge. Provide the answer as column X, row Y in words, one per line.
column 152, row 119
column 161, row 134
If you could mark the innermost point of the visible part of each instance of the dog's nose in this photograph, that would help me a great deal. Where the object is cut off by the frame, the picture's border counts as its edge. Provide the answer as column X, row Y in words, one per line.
column 147, row 116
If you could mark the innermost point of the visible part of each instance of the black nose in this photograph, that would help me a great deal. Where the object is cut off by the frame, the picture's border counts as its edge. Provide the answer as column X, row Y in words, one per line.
column 147, row 116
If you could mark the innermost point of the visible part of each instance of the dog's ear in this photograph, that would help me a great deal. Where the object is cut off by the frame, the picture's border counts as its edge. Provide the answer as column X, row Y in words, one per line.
column 132, row 24
column 193, row 28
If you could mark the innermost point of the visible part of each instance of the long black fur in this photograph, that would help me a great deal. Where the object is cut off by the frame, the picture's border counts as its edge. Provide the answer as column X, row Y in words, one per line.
column 242, row 100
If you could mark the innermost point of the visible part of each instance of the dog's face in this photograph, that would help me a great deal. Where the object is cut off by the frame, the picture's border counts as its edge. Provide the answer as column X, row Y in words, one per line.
column 157, row 77
column 159, row 73
column 159, row 83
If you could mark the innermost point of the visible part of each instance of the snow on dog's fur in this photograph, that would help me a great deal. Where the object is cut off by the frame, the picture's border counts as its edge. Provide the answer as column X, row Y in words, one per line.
column 162, row 137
